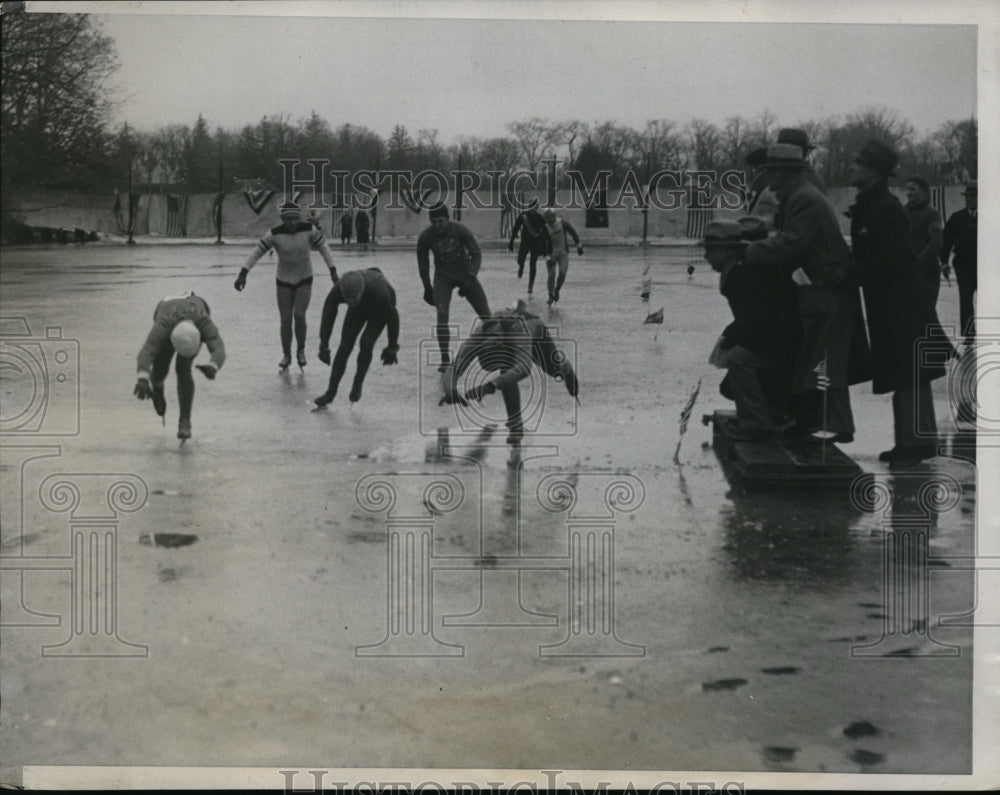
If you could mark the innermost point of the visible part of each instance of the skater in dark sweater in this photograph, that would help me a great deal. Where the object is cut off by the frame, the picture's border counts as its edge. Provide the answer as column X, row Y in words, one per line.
column 371, row 307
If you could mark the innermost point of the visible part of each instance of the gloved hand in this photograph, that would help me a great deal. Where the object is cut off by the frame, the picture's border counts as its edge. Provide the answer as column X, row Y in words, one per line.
column 324, row 355
column 208, row 370
column 241, row 280
column 389, row 354
column 477, row 392
column 550, row 262
column 452, row 397
column 429, row 295
column 690, row 270
column 579, row 250
column 143, row 389
column 510, row 246
column 333, row 275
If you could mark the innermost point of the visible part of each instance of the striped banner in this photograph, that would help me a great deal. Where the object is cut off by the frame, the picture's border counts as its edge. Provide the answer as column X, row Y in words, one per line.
column 937, row 200
column 176, row 221
column 697, row 220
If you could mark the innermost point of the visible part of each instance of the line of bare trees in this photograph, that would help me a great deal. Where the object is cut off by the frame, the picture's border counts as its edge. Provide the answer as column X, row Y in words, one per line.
column 57, row 102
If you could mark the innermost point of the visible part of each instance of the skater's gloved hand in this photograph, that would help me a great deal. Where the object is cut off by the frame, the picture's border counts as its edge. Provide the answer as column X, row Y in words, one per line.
column 389, row 354
column 690, row 269
column 208, row 370
column 429, row 295
column 143, row 389
column 324, row 355
column 579, row 250
column 477, row 392
column 333, row 275
column 550, row 262
column 452, row 397
column 241, row 280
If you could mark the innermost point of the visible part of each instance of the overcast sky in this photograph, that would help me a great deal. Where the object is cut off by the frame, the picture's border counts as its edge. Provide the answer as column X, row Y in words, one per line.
column 473, row 77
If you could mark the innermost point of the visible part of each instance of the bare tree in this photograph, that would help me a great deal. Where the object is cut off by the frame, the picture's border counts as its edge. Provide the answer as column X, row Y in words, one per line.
column 56, row 99
column 532, row 135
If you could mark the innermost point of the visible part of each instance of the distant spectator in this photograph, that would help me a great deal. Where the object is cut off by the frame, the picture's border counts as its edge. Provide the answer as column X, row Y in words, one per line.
column 362, row 224
column 960, row 236
column 346, row 228
column 925, row 236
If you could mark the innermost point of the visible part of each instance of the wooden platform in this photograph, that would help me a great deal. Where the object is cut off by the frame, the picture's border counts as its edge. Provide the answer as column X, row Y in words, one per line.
column 780, row 464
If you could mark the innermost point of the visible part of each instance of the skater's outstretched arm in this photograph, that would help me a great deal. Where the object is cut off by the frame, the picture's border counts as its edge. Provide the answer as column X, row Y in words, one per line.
column 333, row 299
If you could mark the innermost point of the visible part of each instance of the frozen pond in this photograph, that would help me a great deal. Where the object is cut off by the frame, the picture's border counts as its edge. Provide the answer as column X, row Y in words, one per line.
column 595, row 605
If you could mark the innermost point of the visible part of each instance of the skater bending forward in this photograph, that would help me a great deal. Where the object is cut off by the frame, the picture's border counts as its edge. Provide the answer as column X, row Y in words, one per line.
column 509, row 343
column 371, row 307
column 180, row 324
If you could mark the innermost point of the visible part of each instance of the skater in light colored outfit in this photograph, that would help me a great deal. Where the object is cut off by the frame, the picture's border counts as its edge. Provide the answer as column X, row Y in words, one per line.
column 371, row 307
column 510, row 342
column 293, row 240
column 557, row 261
column 180, row 324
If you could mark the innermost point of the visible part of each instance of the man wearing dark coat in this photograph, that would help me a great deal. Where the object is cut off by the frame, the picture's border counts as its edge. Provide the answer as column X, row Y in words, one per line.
column 960, row 236
column 753, row 345
column 832, row 353
column 897, row 312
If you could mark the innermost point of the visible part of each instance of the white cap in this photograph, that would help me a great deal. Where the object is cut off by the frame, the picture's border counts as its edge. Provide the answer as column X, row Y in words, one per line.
column 186, row 339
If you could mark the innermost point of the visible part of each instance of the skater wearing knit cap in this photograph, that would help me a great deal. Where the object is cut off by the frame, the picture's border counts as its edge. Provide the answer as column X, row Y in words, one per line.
column 293, row 240
column 371, row 307
column 180, row 324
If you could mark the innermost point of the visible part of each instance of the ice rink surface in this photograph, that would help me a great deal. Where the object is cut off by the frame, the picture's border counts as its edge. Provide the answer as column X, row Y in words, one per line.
column 726, row 620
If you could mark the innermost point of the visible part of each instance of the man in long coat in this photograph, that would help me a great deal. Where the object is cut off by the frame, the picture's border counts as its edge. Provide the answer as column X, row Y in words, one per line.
column 832, row 353
column 897, row 313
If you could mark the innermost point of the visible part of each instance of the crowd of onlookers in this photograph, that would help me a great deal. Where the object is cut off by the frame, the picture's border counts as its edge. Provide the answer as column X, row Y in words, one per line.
column 815, row 314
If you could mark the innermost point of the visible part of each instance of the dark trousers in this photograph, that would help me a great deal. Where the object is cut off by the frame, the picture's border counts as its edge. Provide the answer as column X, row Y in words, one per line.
column 474, row 294
column 525, row 249
column 354, row 322
column 913, row 419
column 185, row 383
column 967, row 280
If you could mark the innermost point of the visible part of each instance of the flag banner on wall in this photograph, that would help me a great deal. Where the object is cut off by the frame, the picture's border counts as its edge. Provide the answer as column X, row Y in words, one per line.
column 258, row 199
column 176, row 206
column 697, row 220
column 217, row 213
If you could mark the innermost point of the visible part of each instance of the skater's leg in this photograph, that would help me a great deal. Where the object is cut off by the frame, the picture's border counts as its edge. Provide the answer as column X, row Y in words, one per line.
column 532, row 271
column 522, row 252
column 286, row 303
column 563, row 269
column 303, row 293
column 161, row 366
column 551, row 267
column 365, row 351
column 185, row 395
column 442, row 303
column 353, row 322
column 476, row 297
column 512, row 402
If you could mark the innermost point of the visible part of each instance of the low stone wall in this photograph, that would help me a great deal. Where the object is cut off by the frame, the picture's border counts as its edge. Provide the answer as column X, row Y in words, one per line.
column 177, row 216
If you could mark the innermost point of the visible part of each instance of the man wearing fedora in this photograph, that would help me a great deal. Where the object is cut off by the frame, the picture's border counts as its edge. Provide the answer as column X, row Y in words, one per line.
column 832, row 352
column 960, row 236
column 756, row 158
column 752, row 347
column 896, row 311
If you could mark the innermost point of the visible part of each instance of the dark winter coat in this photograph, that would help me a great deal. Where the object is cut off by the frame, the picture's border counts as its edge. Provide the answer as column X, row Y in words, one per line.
column 897, row 314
